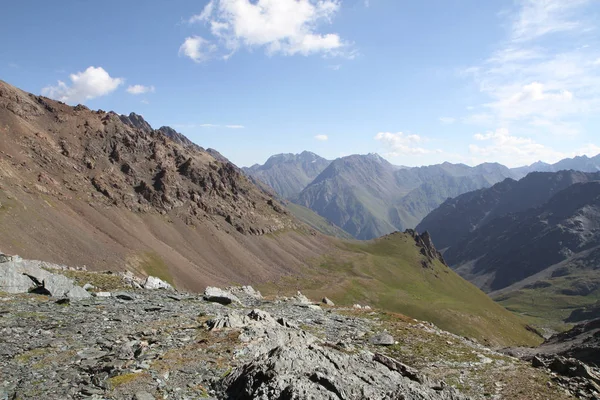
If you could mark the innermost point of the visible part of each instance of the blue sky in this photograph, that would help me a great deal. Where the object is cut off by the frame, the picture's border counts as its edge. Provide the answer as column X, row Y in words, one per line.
column 418, row 82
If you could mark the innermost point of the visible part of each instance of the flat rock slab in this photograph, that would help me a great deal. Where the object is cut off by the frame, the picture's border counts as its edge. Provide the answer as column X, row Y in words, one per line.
column 220, row 296
column 383, row 339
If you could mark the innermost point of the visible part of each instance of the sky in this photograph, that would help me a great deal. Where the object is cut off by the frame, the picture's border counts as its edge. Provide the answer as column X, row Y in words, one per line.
column 419, row 82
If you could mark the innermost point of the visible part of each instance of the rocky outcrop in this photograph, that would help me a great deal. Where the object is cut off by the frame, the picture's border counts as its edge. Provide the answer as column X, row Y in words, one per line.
column 182, row 139
column 25, row 276
column 426, row 246
column 136, row 121
column 311, row 371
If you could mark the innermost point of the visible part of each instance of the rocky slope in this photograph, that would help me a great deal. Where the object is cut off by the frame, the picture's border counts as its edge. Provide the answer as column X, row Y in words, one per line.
column 511, row 248
column 541, row 262
column 456, row 218
column 368, row 197
column 288, row 174
column 124, row 343
column 90, row 187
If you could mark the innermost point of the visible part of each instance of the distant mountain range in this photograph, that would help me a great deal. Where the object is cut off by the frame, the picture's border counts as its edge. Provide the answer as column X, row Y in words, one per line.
column 368, row 197
column 288, row 174
column 533, row 244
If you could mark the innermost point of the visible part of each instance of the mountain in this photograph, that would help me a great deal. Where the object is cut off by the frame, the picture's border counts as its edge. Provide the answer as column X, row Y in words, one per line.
column 515, row 246
column 288, row 174
column 579, row 163
column 456, row 218
column 368, row 197
column 83, row 188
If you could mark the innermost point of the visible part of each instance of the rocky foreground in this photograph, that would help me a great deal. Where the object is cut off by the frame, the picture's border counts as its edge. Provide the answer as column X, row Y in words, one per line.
column 117, row 342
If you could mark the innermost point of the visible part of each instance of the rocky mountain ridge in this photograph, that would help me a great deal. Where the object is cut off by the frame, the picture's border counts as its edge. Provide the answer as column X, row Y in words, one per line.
column 288, row 174
column 508, row 249
column 369, row 197
column 454, row 219
column 342, row 192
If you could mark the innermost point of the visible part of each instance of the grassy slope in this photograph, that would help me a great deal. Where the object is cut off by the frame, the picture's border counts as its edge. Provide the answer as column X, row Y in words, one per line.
column 317, row 222
column 386, row 273
column 548, row 307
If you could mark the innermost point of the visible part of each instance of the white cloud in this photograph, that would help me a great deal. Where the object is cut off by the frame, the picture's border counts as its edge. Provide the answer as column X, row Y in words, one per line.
column 144, row 101
column 235, row 126
column 89, row 84
column 285, row 27
column 510, row 150
column 335, row 67
column 197, row 48
column 402, row 144
column 543, row 71
column 140, row 89
column 538, row 18
column 322, row 138
column 447, row 120
column 515, row 151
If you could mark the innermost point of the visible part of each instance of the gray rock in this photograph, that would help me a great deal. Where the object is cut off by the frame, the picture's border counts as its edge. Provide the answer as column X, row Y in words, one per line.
column 309, row 371
column 12, row 279
column 262, row 316
column 77, row 292
column 143, row 396
column 220, row 296
column 383, row 339
column 301, row 299
column 153, row 283
column 328, row 302
column 231, row 320
column 103, row 294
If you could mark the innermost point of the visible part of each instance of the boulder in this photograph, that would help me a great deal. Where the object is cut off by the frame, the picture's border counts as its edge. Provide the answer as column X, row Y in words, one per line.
column 328, row 302
column 22, row 276
column 78, row 292
column 231, row 321
column 301, row 299
column 216, row 295
column 12, row 279
column 383, row 339
column 153, row 283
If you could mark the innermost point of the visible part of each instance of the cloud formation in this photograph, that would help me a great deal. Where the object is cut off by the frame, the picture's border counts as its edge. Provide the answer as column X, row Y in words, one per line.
column 322, row 138
column 140, row 89
column 402, row 144
column 515, row 151
column 543, row 75
column 197, row 49
column 286, row 27
column 89, row 84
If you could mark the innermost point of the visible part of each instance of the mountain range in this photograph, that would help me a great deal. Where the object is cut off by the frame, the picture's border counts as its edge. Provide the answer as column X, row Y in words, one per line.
column 533, row 244
column 288, row 174
column 367, row 197
column 83, row 187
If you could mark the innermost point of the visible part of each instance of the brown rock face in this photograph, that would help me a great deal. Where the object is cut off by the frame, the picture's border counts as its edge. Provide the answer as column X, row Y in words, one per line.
column 135, row 167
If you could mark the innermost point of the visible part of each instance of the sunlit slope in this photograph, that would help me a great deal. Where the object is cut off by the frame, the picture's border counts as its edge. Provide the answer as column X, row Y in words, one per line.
column 391, row 273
